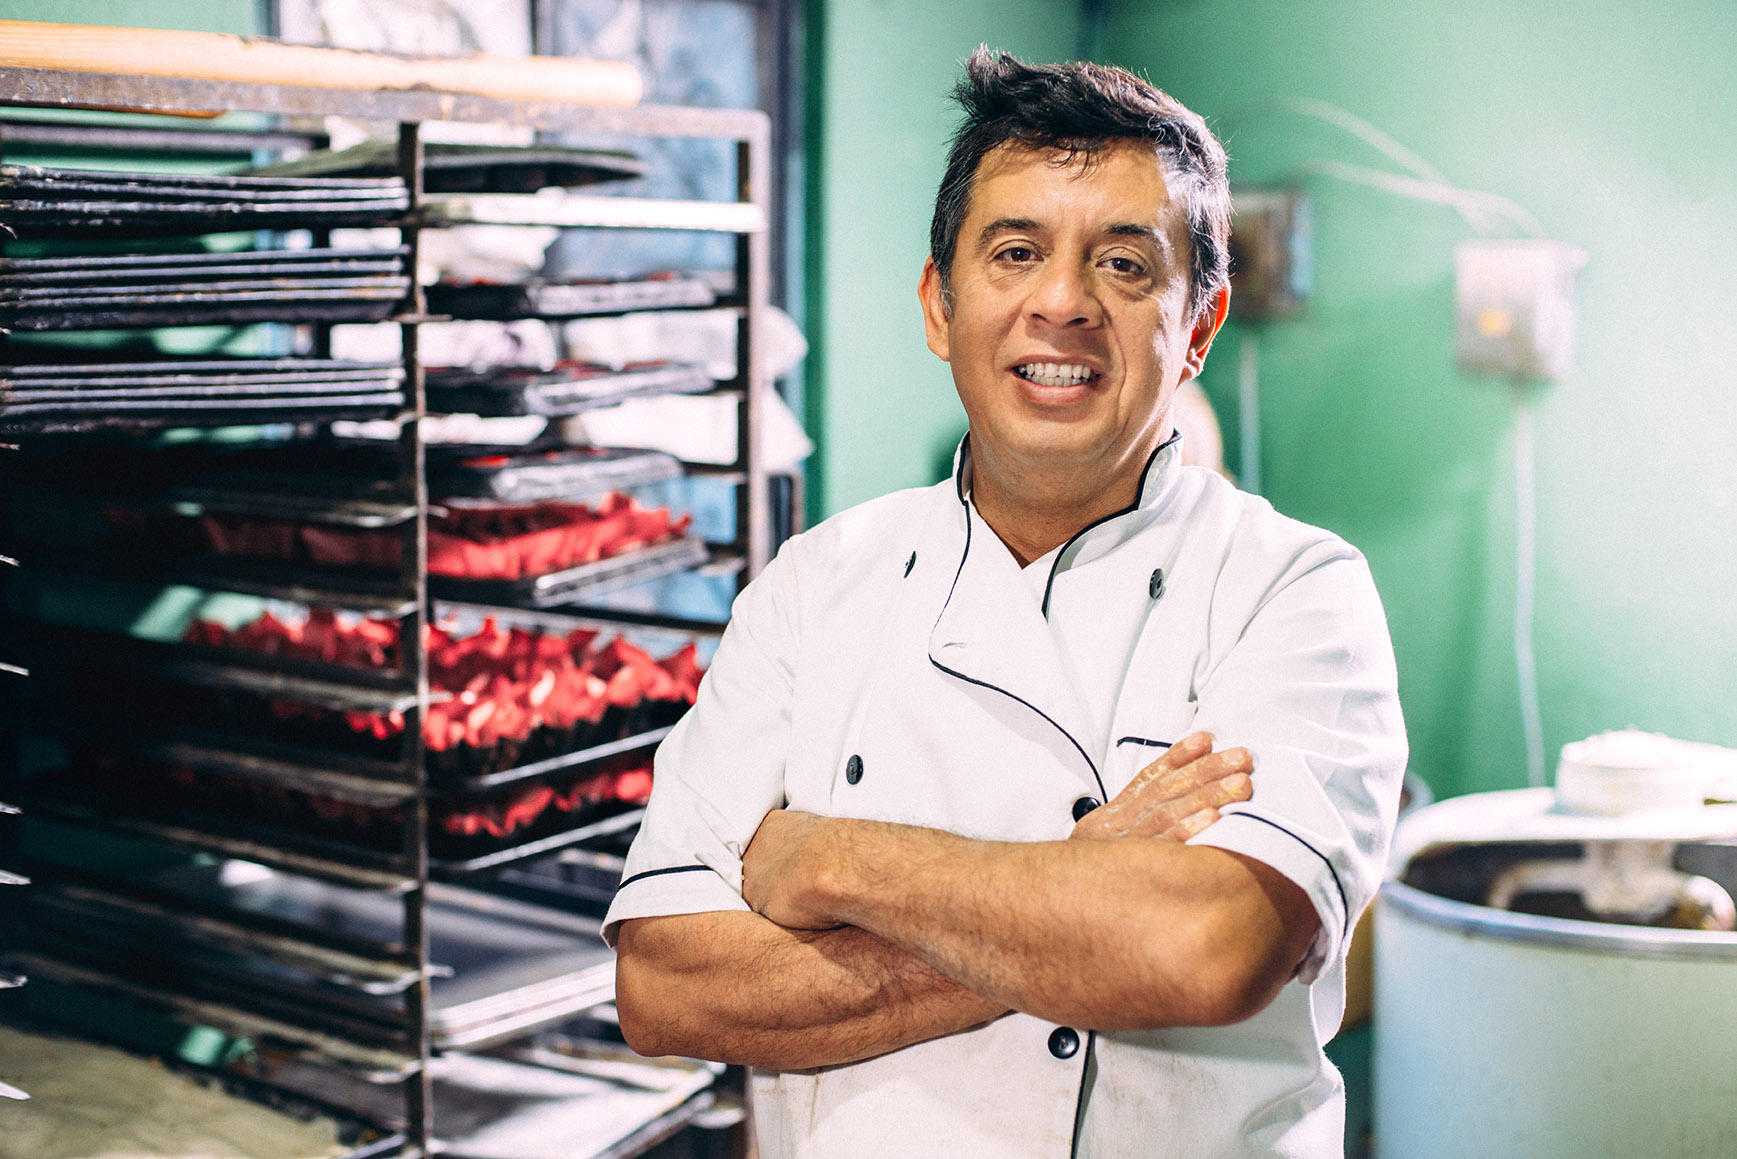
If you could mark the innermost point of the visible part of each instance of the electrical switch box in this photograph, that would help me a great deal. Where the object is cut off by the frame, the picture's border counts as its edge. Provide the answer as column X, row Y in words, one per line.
column 1515, row 307
column 1271, row 253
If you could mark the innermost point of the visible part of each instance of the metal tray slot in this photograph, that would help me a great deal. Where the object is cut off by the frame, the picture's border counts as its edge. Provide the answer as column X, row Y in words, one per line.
column 237, row 1022
column 298, row 853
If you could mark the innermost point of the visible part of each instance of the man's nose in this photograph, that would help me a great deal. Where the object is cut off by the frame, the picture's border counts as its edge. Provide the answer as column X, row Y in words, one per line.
column 1066, row 295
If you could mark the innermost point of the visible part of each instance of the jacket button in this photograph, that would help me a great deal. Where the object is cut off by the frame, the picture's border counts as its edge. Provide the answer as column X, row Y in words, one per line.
column 1085, row 805
column 1064, row 1041
column 853, row 769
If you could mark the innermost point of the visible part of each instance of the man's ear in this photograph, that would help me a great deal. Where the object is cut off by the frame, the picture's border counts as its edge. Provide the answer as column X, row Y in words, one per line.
column 935, row 311
column 1205, row 330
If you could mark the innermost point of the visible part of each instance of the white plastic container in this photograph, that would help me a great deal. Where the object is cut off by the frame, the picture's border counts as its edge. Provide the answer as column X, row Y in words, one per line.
column 1503, row 1034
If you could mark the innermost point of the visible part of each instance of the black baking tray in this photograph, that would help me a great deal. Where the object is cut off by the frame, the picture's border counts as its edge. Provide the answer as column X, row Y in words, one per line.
column 212, row 304
column 537, row 846
column 501, row 967
column 465, row 168
column 354, row 485
column 345, row 863
column 333, row 585
column 30, row 365
column 564, row 390
column 178, row 187
column 96, row 386
column 328, row 587
column 576, row 299
column 148, row 415
column 559, row 588
column 164, row 758
column 520, row 476
column 102, row 269
column 130, row 290
column 212, row 708
column 37, row 202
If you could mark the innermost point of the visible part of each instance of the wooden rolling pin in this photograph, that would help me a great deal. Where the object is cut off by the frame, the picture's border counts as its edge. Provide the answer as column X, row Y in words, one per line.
column 222, row 57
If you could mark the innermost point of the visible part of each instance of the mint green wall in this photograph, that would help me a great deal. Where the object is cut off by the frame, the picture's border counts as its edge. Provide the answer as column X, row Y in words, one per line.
column 881, row 406
column 244, row 17
column 1616, row 124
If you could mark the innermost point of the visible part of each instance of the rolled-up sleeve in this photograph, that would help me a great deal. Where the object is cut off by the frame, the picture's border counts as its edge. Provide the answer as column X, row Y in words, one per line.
column 721, row 769
column 1309, row 688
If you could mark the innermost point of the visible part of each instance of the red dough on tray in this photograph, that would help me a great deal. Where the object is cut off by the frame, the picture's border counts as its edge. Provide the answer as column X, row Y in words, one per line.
column 492, row 541
column 323, row 636
column 515, row 542
column 459, row 827
column 495, row 688
column 626, row 781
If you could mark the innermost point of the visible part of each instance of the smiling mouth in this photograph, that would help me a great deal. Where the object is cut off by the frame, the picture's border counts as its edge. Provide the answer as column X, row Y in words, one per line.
column 1055, row 373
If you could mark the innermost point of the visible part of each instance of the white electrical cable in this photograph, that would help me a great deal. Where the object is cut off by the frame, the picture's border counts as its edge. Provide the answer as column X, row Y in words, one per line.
column 1525, row 588
column 1426, row 183
column 1366, row 132
column 1474, row 206
column 1248, row 412
column 1370, row 135
column 1482, row 212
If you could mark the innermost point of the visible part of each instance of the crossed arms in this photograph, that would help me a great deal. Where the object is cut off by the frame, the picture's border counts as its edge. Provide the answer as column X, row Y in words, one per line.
column 867, row 936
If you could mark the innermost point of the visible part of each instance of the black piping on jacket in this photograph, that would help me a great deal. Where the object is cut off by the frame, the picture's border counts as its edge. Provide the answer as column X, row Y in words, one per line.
column 1085, row 756
column 1344, row 904
column 1139, row 494
column 644, row 873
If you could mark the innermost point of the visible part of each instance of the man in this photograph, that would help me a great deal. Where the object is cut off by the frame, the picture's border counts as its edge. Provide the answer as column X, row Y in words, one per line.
column 875, row 866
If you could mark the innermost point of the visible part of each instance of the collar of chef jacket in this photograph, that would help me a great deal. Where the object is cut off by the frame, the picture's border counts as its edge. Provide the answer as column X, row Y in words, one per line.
column 998, row 638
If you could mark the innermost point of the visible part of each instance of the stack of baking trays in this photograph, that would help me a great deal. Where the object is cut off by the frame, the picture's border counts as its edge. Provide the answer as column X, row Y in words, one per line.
column 271, row 736
column 569, row 386
column 108, row 252
column 43, row 397
column 242, row 815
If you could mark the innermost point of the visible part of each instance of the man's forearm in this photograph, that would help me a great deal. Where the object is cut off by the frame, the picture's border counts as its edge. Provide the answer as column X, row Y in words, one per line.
column 735, row 987
column 1116, row 934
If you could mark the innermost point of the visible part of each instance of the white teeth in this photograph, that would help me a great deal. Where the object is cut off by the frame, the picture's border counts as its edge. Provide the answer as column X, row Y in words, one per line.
column 1054, row 373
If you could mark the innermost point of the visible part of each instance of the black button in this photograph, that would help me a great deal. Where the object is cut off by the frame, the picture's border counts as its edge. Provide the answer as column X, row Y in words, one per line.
column 1085, row 805
column 1064, row 1041
column 853, row 769
column 1155, row 585
column 910, row 563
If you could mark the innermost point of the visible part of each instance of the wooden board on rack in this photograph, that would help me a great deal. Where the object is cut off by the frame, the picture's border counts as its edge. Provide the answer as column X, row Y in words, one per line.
column 222, row 57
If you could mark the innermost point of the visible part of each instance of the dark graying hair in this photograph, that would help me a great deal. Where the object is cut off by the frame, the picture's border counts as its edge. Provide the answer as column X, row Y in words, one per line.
column 1079, row 109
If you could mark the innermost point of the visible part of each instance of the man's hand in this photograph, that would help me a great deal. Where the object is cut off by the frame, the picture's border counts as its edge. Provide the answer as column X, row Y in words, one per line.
column 1176, row 796
column 1173, row 798
column 779, row 869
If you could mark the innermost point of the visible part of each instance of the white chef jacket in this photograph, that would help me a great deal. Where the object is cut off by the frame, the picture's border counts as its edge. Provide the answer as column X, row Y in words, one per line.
column 893, row 663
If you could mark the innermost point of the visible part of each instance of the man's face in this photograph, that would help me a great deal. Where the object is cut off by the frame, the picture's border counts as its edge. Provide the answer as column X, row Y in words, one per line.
column 1069, row 327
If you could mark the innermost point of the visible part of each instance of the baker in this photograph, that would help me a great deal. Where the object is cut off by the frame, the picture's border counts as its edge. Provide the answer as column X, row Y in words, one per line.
column 1029, row 814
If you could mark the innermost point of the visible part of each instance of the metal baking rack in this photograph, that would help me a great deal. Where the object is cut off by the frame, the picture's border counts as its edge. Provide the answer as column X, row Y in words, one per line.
column 462, row 168
column 109, row 671
column 41, row 393
column 570, row 585
column 558, row 392
column 337, row 1013
column 526, row 474
column 567, row 300
column 362, row 502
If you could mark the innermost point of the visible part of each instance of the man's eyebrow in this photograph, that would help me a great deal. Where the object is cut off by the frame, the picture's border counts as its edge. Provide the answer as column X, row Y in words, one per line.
column 1134, row 229
column 1003, row 225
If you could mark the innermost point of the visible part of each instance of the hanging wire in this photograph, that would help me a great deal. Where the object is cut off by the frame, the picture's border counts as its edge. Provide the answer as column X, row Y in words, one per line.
column 1248, row 399
column 1484, row 213
column 1476, row 207
column 1422, row 181
column 1525, row 587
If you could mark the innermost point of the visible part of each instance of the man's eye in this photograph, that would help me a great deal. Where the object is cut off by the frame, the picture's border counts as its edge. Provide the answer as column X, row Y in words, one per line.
column 1017, row 253
column 1125, row 266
